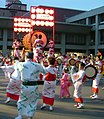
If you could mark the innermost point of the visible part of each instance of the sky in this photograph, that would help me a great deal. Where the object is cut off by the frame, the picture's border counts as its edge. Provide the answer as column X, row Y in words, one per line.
column 71, row 4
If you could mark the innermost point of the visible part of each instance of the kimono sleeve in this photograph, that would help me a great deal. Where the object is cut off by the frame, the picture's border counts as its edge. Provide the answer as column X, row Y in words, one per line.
column 8, row 69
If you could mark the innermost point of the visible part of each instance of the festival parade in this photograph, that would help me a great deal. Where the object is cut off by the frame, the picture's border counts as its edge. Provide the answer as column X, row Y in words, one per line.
column 40, row 79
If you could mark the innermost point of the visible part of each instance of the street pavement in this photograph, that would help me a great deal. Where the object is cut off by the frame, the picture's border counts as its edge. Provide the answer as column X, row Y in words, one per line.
column 63, row 108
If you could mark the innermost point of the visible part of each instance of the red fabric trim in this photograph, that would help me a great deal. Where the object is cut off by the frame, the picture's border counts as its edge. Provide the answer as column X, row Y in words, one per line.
column 34, row 60
column 13, row 96
column 84, row 78
column 41, row 76
column 95, row 90
column 102, row 67
column 50, row 77
column 93, row 78
column 79, row 100
column 47, row 100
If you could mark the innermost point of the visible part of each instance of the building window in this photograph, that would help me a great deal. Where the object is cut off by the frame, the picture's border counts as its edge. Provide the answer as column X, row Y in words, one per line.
column 92, row 41
column 1, row 48
column 101, row 17
column 48, row 35
column 1, row 34
column 9, row 47
column 10, row 35
column 82, row 21
column 69, row 38
column 92, row 20
column 58, row 38
column 75, row 39
column 102, row 37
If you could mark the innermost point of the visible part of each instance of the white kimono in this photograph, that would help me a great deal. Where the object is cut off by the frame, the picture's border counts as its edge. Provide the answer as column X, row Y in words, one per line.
column 49, row 85
column 78, row 79
column 96, row 81
column 14, row 85
column 29, row 95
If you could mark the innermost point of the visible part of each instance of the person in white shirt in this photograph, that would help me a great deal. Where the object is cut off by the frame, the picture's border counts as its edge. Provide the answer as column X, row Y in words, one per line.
column 78, row 80
column 96, row 80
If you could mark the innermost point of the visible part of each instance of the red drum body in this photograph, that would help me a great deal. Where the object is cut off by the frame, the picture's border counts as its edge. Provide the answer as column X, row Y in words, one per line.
column 91, row 71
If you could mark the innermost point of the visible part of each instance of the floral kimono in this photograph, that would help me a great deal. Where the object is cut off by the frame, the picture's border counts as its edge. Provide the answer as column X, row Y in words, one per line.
column 29, row 94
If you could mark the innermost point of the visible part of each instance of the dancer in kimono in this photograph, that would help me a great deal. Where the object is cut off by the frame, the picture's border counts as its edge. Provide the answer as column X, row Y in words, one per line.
column 38, row 50
column 96, row 80
column 78, row 80
column 51, row 48
column 29, row 94
column 13, row 88
column 16, row 46
column 65, row 84
column 6, row 62
column 49, row 85
column 59, row 67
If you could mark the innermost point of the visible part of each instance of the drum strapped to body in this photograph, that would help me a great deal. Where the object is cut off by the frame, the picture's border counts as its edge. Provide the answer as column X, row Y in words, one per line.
column 90, row 71
column 58, row 61
column 77, row 62
column 71, row 61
